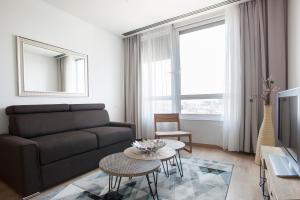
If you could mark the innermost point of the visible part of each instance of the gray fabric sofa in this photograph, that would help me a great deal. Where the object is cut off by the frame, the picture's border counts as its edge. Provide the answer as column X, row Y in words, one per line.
column 48, row 144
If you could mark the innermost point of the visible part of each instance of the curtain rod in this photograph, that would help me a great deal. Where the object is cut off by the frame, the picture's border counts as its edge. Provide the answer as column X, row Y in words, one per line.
column 173, row 19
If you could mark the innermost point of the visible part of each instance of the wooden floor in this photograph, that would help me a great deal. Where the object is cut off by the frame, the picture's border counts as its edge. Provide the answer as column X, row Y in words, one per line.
column 243, row 185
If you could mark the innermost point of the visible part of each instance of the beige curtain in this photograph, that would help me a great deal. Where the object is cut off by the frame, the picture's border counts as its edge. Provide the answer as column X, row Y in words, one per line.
column 132, row 57
column 263, row 46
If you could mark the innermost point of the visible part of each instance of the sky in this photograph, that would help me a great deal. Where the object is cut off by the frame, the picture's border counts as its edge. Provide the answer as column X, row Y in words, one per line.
column 202, row 61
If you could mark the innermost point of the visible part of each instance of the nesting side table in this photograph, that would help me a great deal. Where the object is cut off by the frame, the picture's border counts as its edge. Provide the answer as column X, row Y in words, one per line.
column 164, row 155
column 118, row 165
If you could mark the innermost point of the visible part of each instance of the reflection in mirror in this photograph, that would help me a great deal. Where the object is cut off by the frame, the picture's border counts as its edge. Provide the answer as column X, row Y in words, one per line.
column 50, row 70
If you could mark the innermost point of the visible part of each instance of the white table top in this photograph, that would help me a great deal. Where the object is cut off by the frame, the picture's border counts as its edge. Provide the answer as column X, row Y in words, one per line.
column 174, row 144
column 164, row 153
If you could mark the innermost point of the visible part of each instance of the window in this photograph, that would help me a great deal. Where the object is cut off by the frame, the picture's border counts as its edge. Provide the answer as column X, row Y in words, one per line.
column 202, row 65
column 157, row 84
column 196, row 87
column 157, row 77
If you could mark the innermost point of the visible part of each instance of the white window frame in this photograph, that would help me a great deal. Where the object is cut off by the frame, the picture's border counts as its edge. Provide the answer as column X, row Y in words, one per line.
column 196, row 26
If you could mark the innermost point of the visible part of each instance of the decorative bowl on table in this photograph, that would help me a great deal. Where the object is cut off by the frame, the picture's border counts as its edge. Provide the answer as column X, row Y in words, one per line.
column 149, row 146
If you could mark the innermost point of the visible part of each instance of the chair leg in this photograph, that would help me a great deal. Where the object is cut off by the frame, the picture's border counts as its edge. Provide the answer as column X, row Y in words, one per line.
column 190, row 143
column 189, row 149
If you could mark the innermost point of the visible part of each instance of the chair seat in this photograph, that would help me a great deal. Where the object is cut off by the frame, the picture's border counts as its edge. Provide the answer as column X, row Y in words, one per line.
column 160, row 134
column 63, row 145
column 172, row 133
column 108, row 135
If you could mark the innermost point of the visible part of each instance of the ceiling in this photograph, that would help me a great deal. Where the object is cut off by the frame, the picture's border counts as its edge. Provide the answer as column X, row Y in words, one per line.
column 120, row 16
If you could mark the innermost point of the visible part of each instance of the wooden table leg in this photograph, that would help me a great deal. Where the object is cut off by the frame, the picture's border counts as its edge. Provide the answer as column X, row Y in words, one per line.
column 190, row 142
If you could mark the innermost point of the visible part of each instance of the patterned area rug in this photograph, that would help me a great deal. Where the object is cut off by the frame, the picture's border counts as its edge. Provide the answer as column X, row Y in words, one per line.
column 203, row 179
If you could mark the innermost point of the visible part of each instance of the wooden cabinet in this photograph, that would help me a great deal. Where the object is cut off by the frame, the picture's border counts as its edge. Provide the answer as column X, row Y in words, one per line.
column 274, row 187
column 270, row 187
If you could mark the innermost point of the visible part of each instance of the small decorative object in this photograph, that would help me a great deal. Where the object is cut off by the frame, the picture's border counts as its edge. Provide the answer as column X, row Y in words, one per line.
column 149, row 146
column 266, row 134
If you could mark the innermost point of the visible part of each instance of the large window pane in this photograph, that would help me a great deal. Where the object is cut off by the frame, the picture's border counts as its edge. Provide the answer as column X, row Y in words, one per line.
column 202, row 60
column 202, row 106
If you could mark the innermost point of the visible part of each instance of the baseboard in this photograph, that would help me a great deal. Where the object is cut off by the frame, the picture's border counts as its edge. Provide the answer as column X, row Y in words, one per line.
column 206, row 146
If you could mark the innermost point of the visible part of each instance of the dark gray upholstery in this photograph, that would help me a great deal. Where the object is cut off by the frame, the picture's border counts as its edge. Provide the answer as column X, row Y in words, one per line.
column 65, row 169
column 108, row 135
column 25, row 109
column 39, row 124
column 79, row 107
column 49, row 144
column 90, row 118
column 62, row 145
column 123, row 124
column 19, row 166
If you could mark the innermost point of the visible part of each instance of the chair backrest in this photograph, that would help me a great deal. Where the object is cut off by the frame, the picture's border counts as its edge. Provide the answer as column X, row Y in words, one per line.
column 168, row 117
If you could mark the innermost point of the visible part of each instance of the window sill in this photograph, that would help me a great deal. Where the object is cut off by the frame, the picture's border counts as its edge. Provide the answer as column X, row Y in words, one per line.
column 200, row 117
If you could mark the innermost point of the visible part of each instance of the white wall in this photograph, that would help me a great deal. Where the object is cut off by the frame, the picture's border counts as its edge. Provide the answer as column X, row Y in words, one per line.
column 293, row 43
column 37, row 20
column 205, row 131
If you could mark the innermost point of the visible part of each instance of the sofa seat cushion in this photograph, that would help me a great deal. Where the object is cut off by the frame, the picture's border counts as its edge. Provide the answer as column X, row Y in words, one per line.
column 63, row 145
column 108, row 135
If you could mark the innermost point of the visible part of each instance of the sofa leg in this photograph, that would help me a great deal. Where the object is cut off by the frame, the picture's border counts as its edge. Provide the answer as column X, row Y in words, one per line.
column 31, row 196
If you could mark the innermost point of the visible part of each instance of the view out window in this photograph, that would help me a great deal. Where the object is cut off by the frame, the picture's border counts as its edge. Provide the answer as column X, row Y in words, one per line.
column 202, row 65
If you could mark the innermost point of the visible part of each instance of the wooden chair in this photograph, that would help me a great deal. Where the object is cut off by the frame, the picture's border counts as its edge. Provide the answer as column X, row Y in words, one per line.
column 172, row 117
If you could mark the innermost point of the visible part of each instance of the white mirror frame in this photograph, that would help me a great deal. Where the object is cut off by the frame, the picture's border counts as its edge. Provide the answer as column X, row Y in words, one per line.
column 21, row 86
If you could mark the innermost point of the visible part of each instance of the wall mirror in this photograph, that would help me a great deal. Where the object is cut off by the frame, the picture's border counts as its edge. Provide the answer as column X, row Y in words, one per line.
column 47, row 70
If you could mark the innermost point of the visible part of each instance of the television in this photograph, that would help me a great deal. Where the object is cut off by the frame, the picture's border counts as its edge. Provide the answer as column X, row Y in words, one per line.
column 288, row 130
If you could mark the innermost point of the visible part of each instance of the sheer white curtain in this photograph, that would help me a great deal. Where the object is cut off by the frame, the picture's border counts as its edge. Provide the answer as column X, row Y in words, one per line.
column 233, row 103
column 158, row 77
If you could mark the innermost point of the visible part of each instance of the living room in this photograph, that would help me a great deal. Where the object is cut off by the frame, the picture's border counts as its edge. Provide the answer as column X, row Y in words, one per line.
column 168, row 99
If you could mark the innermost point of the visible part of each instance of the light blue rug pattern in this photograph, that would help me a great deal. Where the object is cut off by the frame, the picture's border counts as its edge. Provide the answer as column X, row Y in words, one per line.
column 202, row 180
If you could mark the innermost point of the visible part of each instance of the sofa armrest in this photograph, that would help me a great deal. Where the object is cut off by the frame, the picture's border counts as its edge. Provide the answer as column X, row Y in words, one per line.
column 20, row 166
column 124, row 124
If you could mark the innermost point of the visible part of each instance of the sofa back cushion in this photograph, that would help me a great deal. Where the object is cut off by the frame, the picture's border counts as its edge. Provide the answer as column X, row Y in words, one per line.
column 39, row 124
column 89, row 115
column 91, row 106
column 27, row 109
column 90, row 118
column 38, row 120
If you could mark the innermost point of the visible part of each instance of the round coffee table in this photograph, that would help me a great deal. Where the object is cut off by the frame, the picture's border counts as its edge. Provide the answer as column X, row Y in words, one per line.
column 119, row 165
column 174, row 144
column 164, row 155
column 177, row 146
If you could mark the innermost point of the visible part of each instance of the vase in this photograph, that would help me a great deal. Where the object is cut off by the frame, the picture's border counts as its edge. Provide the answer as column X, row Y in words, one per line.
column 266, row 134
